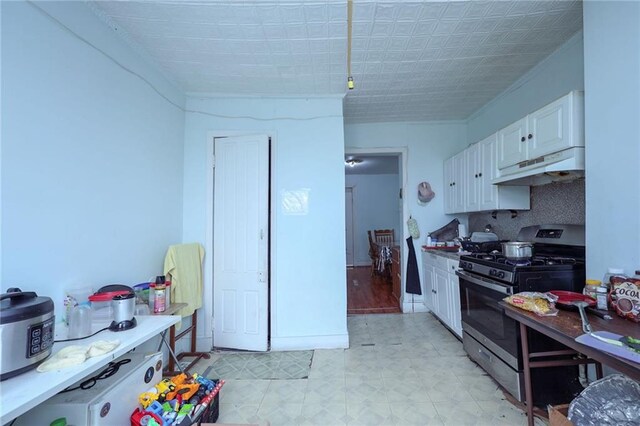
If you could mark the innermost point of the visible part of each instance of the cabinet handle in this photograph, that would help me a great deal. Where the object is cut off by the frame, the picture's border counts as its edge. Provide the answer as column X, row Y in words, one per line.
column 479, row 174
column 433, row 291
column 454, row 184
column 476, row 175
column 522, row 139
column 530, row 136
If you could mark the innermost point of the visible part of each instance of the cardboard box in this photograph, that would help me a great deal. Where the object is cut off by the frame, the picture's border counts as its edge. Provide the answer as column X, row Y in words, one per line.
column 558, row 415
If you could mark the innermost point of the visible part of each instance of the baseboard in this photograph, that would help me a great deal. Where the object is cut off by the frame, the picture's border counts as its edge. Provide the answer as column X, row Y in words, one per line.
column 416, row 306
column 337, row 341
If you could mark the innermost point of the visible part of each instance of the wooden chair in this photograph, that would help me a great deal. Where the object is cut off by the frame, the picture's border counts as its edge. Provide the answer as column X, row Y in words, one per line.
column 373, row 254
column 384, row 237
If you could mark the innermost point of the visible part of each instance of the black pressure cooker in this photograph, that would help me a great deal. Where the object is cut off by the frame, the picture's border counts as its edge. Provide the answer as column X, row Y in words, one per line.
column 26, row 331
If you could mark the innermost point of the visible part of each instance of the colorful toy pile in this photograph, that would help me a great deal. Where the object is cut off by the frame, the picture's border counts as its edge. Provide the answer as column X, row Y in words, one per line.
column 181, row 401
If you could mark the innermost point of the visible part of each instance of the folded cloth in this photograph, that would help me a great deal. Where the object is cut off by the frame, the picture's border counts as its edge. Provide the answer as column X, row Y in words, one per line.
column 76, row 355
column 183, row 265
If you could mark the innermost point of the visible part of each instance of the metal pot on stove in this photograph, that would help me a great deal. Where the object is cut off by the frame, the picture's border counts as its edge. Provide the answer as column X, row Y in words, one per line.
column 517, row 250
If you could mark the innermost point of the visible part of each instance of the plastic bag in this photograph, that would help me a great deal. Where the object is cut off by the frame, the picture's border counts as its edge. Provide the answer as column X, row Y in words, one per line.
column 414, row 231
column 613, row 400
column 542, row 304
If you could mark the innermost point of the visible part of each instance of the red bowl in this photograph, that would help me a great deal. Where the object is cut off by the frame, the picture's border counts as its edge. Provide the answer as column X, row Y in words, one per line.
column 566, row 298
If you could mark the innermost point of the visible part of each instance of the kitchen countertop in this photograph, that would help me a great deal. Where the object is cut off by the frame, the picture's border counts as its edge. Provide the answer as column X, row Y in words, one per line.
column 455, row 255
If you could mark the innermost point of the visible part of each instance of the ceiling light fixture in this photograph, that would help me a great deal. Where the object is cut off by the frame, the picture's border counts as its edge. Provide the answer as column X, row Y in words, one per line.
column 352, row 162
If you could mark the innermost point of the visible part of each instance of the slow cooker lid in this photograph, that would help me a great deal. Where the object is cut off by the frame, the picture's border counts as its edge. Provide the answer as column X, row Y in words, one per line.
column 18, row 305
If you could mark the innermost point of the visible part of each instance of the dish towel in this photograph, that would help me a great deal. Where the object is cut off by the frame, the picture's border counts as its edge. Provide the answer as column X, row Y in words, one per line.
column 183, row 266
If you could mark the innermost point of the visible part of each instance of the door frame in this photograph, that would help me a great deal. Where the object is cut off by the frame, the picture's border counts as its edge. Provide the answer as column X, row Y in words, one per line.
column 353, row 225
column 402, row 152
column 208, row 244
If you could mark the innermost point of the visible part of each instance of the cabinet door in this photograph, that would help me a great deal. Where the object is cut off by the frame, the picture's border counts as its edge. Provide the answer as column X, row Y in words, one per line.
column 472, row 181
column 442, row 296
column 512, row 144
column 454, row 303
column 448, row 186
column 429, row 287
column 488, row 193
column 459, row 182
column 549, row 128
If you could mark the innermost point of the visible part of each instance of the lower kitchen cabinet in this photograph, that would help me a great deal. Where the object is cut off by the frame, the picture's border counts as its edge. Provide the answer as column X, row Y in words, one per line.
column 442, row 290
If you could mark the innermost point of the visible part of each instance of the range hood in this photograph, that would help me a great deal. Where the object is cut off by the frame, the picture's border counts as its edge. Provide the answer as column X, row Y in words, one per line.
column 560, row 166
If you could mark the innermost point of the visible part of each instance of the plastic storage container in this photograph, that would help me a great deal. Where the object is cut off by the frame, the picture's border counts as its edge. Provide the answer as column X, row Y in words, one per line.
column 601, row 298
column 591, row 288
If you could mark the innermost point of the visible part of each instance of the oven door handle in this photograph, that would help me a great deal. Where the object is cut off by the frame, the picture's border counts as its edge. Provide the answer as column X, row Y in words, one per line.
column 496, row 287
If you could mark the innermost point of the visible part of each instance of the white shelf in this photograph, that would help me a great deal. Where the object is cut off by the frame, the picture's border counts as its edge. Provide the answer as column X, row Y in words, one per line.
column 23, row 392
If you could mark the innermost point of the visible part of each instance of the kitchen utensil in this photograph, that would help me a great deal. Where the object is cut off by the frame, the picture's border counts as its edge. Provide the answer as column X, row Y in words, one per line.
column 484, row 247
column 601, row 340
column 123, row 312
column 586, row 326
column 480, row 237
column 517, row 250
column 26, row 331
column 80, row 319
column 566, row 299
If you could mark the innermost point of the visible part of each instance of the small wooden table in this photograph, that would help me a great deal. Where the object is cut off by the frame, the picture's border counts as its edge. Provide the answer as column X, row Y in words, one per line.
column 564, row 328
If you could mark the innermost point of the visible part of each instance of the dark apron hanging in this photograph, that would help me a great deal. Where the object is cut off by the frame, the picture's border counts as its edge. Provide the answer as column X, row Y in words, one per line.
column 413, row 278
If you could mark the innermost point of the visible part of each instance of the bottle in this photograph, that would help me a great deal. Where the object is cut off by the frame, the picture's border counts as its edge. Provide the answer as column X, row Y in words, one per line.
column 591, row 288
column 601, row 298
column 612, row 272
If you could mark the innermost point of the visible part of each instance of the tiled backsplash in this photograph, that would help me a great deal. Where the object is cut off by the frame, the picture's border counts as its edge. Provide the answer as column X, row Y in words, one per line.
column 554, row 203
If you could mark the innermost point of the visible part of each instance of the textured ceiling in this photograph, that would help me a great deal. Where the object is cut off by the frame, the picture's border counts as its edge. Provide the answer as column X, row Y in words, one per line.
column 410, row 60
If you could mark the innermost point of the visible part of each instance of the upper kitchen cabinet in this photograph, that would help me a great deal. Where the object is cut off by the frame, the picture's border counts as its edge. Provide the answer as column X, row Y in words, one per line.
column 454, row 180
column 476, row 173
column 553, row 128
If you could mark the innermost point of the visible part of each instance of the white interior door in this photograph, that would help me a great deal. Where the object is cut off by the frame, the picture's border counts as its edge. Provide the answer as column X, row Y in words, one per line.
column 348, row 202
column 240, row 242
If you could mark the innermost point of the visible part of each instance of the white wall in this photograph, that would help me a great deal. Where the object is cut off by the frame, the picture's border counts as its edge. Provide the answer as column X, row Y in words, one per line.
column 555, row 76
column 91, row 155
column 376, row 205
column 308, row 276
column 612, row 135
column 428, row 144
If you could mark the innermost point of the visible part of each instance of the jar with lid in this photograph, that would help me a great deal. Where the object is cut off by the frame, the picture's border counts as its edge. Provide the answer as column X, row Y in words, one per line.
column 612, row 272
column 601, row 298
column 591, row 288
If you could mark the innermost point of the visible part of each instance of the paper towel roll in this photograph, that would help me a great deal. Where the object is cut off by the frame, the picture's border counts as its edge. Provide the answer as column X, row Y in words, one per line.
column 462, row 230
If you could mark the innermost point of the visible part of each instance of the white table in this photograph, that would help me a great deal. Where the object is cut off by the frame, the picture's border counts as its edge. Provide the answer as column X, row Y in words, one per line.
column 23, row 392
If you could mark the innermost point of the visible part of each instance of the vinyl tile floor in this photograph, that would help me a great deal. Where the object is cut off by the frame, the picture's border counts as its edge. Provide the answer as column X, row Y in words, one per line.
column 400, row 369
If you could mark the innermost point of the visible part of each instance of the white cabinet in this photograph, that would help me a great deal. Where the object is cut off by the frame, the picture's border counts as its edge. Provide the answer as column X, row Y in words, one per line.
column 443, row 309
column 512, row 146
column 550, row 129
column 428, row 271
column 454, row 175
column 442, row 291
column 454, row 298
column 478, row 193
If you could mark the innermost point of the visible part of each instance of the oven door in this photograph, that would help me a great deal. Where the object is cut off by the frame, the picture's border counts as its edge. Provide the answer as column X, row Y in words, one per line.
column 485, row 320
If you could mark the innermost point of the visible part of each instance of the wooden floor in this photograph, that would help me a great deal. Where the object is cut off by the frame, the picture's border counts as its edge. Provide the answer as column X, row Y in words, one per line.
column 368, row 294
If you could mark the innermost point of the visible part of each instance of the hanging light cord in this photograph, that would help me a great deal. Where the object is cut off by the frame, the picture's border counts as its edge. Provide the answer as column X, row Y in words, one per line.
column 349, row 31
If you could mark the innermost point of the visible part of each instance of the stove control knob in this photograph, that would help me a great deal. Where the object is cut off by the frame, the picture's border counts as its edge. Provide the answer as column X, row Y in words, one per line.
column 500, row 274
column 492, row 272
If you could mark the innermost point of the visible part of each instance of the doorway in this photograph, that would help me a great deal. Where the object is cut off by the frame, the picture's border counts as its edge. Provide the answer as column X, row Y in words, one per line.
column 238, row 259
column 375, row 177
column 349, row 233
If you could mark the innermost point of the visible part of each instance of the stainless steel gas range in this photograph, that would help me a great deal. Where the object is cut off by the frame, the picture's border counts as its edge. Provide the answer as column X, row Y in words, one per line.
column 491, row 338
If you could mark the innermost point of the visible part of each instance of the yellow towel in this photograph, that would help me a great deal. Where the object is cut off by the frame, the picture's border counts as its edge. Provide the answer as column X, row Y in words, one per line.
column 183, row 266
